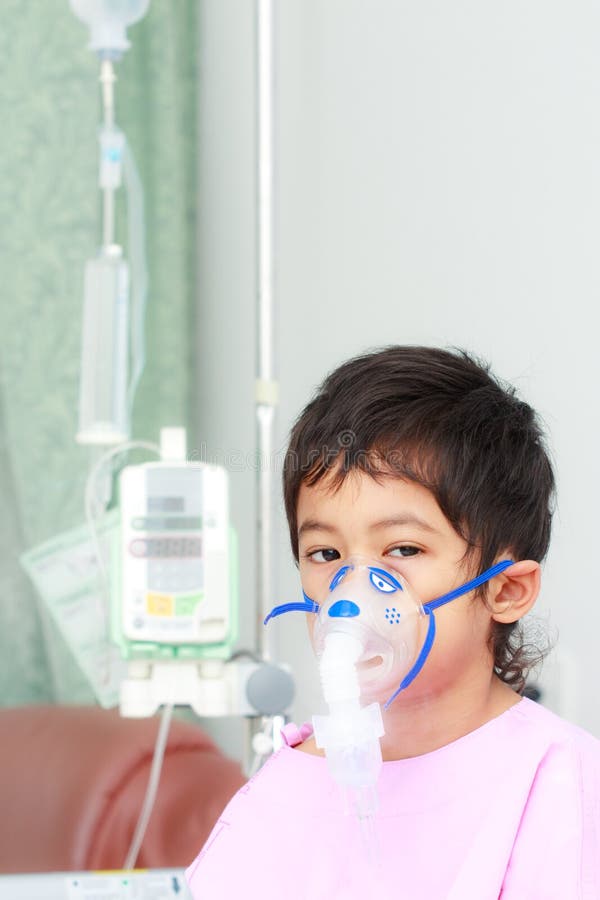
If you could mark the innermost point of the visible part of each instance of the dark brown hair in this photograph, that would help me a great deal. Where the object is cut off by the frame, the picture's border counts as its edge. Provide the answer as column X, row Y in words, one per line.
column 439, row 418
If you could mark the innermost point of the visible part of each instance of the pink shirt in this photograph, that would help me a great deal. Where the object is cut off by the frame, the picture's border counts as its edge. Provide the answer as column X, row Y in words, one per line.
column 510, row 811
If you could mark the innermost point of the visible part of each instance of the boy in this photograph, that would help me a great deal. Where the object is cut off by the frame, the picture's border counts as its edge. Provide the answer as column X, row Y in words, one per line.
column 419, row 460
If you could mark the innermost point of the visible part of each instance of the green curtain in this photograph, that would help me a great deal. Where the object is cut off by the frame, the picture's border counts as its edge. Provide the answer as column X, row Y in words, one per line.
column 50, row 215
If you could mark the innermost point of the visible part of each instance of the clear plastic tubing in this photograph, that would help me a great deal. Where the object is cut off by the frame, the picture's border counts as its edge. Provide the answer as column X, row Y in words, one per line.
column 350, row 734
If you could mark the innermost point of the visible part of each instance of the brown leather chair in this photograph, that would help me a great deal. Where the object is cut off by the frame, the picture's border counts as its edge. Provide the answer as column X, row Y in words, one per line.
column 73, row 779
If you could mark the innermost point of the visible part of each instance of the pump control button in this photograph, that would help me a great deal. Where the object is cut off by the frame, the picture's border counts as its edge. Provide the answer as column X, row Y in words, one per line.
column 185, row 604
column 159, row 604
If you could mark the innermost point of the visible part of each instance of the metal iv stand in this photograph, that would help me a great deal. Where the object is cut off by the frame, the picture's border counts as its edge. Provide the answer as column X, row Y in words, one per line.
column 263, row 732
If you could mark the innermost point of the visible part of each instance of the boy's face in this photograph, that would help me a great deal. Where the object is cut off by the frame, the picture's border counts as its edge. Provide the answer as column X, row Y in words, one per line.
column 400, row 524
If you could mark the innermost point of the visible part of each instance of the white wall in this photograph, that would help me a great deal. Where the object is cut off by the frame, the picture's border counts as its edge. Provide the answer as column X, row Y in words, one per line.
column 439, row 183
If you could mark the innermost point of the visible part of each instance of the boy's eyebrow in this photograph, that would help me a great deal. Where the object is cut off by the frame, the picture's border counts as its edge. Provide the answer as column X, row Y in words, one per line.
column 402, row 519
column 405, row 519
column 314, row 525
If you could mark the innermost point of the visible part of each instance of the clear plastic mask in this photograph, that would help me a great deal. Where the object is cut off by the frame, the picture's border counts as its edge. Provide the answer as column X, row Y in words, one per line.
column 379, row 608
column 381, row 611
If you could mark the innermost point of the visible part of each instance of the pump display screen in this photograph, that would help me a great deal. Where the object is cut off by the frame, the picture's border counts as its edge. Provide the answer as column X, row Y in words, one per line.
column 166, row 547
column 166, row 504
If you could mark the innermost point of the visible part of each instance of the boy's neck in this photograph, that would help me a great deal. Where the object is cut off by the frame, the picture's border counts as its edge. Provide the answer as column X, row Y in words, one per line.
column 424, row 724
column 427, row 724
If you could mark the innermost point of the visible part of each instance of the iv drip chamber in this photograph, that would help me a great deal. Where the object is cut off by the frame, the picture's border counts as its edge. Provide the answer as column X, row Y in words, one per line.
column 103, row 406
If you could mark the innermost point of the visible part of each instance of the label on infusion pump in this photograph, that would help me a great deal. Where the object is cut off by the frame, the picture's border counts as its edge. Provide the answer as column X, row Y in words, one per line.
column 175, row 583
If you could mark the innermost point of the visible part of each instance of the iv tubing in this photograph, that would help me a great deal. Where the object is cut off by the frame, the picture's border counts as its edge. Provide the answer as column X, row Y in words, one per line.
column 93, row 510
column 139, row 267
column 265, row 398
column 151, row 790
column 107, row 80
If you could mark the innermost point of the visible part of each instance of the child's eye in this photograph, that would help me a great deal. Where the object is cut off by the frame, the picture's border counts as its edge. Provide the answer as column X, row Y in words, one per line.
column 321, row 556
column 404, row 552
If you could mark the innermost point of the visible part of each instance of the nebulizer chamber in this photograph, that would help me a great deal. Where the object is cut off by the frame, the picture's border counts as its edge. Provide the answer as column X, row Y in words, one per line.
column 366, row 636
column 350, row 733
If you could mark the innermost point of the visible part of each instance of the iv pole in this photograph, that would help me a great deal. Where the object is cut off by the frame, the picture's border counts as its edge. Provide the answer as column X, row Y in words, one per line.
column 263, row 732
column 266, row 385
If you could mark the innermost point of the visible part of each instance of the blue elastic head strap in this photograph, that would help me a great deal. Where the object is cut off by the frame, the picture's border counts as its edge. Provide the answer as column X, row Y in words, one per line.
column 430, row 608
column 469, row 586
column 308, row 606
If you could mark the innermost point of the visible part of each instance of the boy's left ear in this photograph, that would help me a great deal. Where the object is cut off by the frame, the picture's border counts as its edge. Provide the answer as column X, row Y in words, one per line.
column 518, row 588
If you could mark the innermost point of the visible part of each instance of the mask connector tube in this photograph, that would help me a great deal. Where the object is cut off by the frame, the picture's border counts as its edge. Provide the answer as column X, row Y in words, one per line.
column 350, row 734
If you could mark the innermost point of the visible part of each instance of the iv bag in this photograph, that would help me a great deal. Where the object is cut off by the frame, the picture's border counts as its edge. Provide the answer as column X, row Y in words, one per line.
column 108, row 20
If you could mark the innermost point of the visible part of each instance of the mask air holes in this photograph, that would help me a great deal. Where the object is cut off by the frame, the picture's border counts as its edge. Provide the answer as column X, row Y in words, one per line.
column 392, row 615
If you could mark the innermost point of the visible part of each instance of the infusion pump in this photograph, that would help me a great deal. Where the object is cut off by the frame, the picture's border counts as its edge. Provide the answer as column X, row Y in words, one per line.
column 177, row 595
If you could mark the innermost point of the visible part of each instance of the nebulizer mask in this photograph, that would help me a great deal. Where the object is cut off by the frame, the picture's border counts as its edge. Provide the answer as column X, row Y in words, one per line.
column 372, row 635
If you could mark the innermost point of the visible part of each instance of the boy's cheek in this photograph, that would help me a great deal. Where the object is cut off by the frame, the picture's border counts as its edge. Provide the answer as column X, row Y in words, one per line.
column 310, row 625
